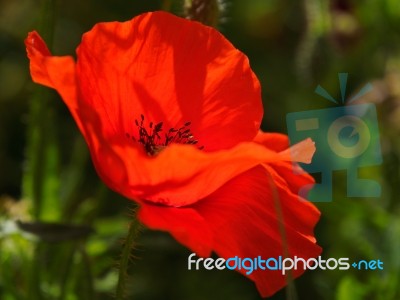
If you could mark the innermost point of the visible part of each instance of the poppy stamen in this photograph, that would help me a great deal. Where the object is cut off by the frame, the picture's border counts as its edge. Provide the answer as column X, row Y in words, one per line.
column 151, row 138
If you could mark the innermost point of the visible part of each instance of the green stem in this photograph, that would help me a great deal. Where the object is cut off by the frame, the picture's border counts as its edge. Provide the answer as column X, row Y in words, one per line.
column 317, row 24
column 291, row 293
column 41, row 152
column 47, row 21
column 87, row 274
column 67, row 271
column 125, row 258
column 34, row 290
column 37, row 153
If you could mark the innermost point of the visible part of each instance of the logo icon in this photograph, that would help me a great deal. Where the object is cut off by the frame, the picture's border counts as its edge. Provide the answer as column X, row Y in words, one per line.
column 346, row 138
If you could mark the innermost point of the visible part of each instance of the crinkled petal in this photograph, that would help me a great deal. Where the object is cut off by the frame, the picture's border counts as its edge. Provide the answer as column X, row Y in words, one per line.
column 171, row 70
column 274, row 141
column 52, row 71
column 59, row 73
column 254, row 214
column 181, row 175
column 295, row 176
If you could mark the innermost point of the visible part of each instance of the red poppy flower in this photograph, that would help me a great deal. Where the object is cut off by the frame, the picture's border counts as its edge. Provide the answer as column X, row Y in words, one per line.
column 171, row 112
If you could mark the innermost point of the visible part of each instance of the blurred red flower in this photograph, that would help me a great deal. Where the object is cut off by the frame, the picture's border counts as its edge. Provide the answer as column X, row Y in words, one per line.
column 171, row 112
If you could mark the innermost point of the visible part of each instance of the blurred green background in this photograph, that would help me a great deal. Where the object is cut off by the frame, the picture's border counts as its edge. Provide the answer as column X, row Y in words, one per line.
column 46, row 174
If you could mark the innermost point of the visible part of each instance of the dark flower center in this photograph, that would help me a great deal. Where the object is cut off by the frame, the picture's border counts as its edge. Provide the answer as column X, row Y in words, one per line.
column 155, row 140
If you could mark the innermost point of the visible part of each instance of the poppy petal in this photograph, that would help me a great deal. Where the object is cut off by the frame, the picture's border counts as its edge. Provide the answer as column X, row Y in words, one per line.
column 295, row 176
column 51, row 71
column 254, row 214
column 57, row 72
column 184, row 224
column 171, row 70
column 302, row 151
column 181, row 175
column 272, row 140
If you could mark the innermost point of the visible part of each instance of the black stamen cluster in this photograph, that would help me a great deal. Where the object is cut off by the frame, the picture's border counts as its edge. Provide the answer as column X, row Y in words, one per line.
column 152, row 140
